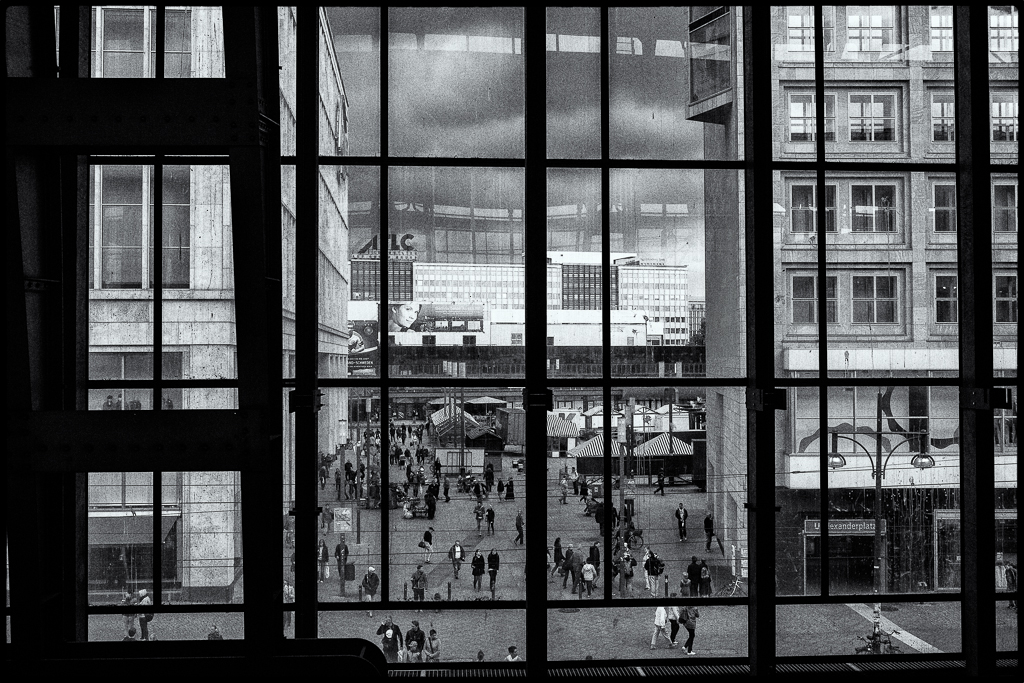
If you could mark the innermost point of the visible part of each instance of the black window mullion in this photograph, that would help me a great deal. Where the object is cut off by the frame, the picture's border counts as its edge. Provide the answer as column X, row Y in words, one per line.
column 606, row 294
column 158, row 536
column 383, row 342
column 161, row 40
column 156, row 274
column 306, row 310
column 822, row 299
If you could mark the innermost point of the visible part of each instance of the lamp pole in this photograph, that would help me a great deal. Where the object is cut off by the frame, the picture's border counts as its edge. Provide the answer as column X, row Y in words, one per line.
column 879, row 561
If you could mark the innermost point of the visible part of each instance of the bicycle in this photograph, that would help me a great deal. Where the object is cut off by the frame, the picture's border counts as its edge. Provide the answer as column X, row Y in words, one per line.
column 878, row 645
column 730, row 589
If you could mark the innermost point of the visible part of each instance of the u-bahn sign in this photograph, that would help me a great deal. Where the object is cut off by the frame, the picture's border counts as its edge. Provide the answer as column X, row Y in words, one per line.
column 842, row 527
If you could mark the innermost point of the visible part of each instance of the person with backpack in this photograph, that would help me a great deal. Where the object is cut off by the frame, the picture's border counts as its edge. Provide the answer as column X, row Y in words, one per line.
column 419, row 584
column 654, row 567
column 688, row 617
column 370, row 583
column 705, row 579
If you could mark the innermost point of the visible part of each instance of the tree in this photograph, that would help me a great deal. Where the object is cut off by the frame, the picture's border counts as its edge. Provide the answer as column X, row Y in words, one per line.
column 697, row 338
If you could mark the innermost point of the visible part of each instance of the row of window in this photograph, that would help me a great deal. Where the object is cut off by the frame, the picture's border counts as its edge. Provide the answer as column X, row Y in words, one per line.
column 875, row 208
column 875, row 299
column 872, row 117
column 874, row 28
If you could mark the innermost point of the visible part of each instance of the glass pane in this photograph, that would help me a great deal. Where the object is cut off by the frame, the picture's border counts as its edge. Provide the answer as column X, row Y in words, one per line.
column 1004, row 40
column 448, row 635
column 905, row 628
column 894, row 529
column 660, row 257
column 287, row 507
column 795, row 210
column 364, row 244
column 194, row 46
column 456, row 279
column 287, row 32
column 717, row 631
column 350, row 479
column 473, row 57
column 573, row 82
column 355, row 32
column 334, row 272
column 176, row 626
column 121, row 538
column 663, row 104
column 456, row 466
column 797, row 552
column 575, row 288
column 692, row 440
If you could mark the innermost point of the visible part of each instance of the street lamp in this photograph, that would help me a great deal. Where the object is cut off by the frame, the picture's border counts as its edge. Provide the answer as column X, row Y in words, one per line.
column 920, row 460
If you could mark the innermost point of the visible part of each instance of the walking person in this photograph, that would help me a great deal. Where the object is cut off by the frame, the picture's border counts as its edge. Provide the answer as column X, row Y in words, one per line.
column 567, row 566
column 341, row 557
column 565, row 490
column 588, row 574
column 583, row 489
column 370, row 584
column 478, row 512
column 510, row 492
column 688, row 618
column 428, row 544
column 680, row 515
column 337, row 483
column 673, row 621
column 490, row 520
column 493, row 564
column 419, row 584
column 654, row 567
column 145, row 613
column 289, row 597
column 575, row 482
column 323, row 475
column 558, row 557
column 129, row 619
column 705, row 579
column 660, row 622
column 519, row 528
column 447, row 484
column 693, row 577
column 661, row 483
column 501, row 489
column 479, row 567
column 323, row 558
column 709, row 530
column 457, row 555
column 326, row 517
column 432, row 648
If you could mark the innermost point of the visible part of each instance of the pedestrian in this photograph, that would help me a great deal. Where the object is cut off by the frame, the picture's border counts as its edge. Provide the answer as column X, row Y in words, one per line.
column 501, row 489
column 575, row 482
column 129, row 619
column 478, row 512
column 558, row 557
column 654, row 567
column 1011, row 581
column 705, row 579
column 519, row 528
column 567, row 566
column 510, row 493
column 389, row 644
column 490, row 520
column 341, row 557
column 325, row 520
column 660, row 622
column 214, row 633
column 693, row 577
column 661, row 483
column 415, row 635
column 564, row 489
column 323, row 474
column 131, row 631
column 680, row 515
column 145, row 613
column 432, row 648
column 625, row 566
column 688, row 617
column 673, row 621
column 595, row 557
column 477, row 493
column 447, row 483
column 709, row 530
column 413, row 654
column 389, row 625
column 419, row 584
column 588, row 574
column 489, row 477
column 428, row 544
column 479, row 567
column 493, row 564
column 337, row 483
column 457, row 555
column 513, row 655
column 370, row 583
column 322, row 557
column 583, row 489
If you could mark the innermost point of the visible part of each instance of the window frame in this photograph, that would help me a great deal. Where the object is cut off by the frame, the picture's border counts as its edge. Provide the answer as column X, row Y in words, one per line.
column 870, row 120
column 950, row 301
column 1009, row 124
column 1010, row 211
column 893, row 210
column 809, row 121
column 942, row 27
column 831, row 300
column 805, row 28
column 880, row 29
column 946, row 120
column 830, row 211
column 1010, row 299
column 875, row 299
column 943, row 210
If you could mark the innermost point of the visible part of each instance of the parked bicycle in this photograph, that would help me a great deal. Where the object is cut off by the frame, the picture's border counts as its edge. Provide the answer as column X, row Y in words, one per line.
column 879, row 643
column 731, row 588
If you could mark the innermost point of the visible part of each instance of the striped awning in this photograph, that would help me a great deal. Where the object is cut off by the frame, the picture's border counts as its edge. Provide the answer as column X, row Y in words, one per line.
column 447, row 418
column 659, row 446
column 592, row 448
column 561, row 428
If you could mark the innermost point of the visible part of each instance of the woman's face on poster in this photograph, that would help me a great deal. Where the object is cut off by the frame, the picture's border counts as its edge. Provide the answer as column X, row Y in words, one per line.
column 405, row 314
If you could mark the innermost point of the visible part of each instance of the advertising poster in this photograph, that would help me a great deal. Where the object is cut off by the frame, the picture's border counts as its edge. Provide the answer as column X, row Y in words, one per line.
column 363, row 347
column 412, row 316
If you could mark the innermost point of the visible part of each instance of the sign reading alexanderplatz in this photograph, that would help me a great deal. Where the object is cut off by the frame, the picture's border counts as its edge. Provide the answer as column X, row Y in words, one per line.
column 842, row 527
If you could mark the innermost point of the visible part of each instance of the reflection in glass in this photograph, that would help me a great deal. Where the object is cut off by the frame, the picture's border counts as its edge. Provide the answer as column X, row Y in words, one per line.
column 906, row 628
column 573, row 82
column 173, row 626
column 798, row 561
column 120, row 539
column 356, row 37
column 474, row 60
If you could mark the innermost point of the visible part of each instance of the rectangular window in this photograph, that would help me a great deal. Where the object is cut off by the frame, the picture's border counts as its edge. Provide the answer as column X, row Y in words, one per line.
column 121, row 226
column 872, row 118
column 805, row 299
column 469, row 340
column 1006, row 298
column 874, row 299
column 801, row 28
column 805, row 209
column 943, row 117
column 1004, row 116
column 129, row 43
column 517, row 339
column 945, row 299
column 869, row 27
column 802, row 117
column 942, row 28
column 176, row 231
column 1004, row 209
column 873, row 207
column 944, row 208
column 430, row 340
column 1003, row 28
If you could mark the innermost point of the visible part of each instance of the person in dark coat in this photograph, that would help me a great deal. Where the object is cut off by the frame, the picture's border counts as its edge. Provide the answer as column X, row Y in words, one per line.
column 490, row 520
column 493, row 564
column 558, row 556
column 510, row 493
column 595, row 557
column 501, row 489
column 519, row 528
column 341, row 556
column 693, row 574
column 479, row 568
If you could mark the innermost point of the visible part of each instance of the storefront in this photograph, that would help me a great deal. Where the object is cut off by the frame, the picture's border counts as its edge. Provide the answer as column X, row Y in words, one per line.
column 851, row 555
